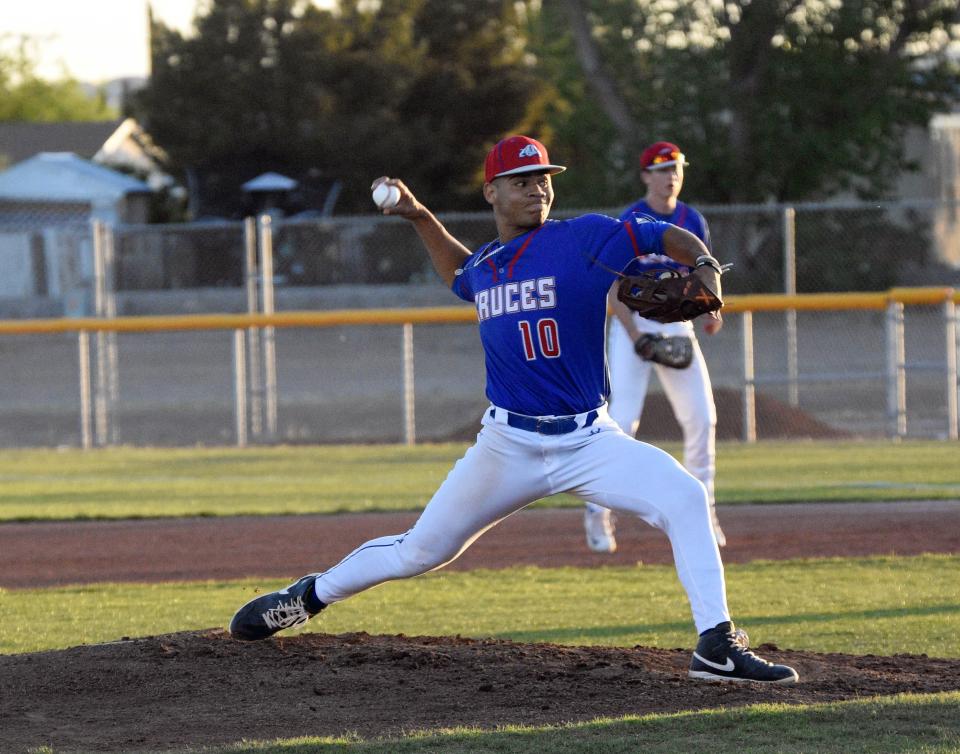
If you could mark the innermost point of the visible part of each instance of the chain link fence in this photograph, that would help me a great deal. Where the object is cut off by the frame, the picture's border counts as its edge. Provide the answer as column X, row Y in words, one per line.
column 346, row 383
column 817, row 247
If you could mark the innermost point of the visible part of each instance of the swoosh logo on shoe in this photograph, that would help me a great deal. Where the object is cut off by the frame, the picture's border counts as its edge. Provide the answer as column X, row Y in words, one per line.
column 728, row 666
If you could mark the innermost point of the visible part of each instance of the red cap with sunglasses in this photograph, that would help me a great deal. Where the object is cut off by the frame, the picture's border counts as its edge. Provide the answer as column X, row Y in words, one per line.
column 663, row 154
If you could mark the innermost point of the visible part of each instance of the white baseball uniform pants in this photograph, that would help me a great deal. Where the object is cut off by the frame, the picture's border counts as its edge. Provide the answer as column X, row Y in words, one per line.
column 509, row 468
column 688, row 390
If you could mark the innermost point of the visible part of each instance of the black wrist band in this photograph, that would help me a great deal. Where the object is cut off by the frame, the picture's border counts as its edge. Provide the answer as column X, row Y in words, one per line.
column 706, row 260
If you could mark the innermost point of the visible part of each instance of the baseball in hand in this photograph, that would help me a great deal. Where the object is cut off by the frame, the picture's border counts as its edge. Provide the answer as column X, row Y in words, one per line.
column 386, row 196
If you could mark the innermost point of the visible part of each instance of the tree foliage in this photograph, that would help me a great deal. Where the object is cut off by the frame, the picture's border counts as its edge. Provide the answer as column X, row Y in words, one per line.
column 24, row 96
column 773, row 99
column 414, row 88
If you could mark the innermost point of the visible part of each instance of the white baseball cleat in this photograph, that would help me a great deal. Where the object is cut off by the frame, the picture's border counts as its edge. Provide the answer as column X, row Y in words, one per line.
column 598, row 524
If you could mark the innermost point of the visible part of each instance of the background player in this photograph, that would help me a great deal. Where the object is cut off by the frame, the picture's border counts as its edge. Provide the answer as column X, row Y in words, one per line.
column 540, row 294
column 633, row 350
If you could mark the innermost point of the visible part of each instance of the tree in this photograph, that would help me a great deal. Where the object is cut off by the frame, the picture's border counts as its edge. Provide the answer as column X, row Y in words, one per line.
column 415, row 88
column 24, row 96
column 777, row 99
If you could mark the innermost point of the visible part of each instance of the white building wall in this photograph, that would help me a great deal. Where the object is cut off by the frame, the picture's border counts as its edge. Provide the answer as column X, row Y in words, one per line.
column 945, row 159
column 16, row 268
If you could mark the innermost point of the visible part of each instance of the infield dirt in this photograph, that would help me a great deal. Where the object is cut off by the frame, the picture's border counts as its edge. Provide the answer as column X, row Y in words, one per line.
column 205, row 688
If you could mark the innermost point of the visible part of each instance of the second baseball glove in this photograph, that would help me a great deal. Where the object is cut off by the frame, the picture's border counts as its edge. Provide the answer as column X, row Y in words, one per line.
column 673, row 351
column 666, row 296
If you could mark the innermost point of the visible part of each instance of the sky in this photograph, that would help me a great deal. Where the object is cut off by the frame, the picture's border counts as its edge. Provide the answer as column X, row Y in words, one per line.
column 96, row 40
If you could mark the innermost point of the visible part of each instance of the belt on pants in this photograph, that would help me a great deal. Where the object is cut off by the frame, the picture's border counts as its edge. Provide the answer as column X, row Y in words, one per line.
column 546, row 425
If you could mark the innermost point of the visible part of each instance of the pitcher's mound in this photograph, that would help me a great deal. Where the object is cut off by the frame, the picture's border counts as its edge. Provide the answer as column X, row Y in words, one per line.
column 204, row 688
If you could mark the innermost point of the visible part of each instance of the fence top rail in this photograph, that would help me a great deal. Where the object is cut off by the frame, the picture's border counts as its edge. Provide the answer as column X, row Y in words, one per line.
column 448, row 314
column 772, row 302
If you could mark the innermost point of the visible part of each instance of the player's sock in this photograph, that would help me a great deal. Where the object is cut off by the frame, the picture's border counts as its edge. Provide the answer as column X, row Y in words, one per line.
column 311, row 601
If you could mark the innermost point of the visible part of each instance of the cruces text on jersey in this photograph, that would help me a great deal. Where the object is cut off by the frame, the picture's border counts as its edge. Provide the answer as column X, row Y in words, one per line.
column 516, row 296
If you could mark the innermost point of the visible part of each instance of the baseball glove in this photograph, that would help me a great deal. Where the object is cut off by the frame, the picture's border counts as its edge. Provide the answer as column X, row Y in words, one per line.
column 675, row 352
column 666, row 296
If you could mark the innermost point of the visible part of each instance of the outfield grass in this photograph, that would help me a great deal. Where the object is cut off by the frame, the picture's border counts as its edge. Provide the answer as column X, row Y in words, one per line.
column 151, row 482
column 867, row 605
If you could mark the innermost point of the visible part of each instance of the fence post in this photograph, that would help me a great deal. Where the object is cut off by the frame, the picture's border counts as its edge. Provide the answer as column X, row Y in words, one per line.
column 896, row 372
column 255, row 371
column 409, row 395
column 110, row 311
column 102, row 392
column 240, row 387
column 269, row 335
column 749, row 388
column 950, row 313
column 83, row 354
column 790, row 288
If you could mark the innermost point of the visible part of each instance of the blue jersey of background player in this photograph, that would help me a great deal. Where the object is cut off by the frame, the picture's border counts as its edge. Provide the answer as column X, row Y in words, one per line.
column 683, row 216
column 541, row 308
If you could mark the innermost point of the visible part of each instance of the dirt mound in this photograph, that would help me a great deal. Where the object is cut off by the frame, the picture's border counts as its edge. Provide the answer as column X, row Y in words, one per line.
column 775, row 419
column 203, row 688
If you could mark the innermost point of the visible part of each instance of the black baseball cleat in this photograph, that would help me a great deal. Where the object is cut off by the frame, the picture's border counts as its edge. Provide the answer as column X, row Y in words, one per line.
column 723, row 654
column 291, row 607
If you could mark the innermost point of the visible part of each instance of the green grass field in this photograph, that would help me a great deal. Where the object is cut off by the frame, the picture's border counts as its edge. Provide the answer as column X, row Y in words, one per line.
column 857, row 606
column 868, row 605
column 881, row 605
column 150, row 482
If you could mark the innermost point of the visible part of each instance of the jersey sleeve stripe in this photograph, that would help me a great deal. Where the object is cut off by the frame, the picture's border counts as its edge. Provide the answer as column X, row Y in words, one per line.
column 633, row 238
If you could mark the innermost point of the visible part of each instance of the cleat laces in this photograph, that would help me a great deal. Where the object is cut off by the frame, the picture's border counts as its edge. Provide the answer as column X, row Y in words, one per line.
column 740, row 641
column 291, row 614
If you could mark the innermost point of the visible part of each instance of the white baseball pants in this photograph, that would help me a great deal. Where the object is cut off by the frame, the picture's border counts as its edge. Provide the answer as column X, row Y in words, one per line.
column 688, row 390
column 509, row 468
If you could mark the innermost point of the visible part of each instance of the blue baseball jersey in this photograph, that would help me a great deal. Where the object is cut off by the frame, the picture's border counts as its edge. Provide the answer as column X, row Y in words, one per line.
column 683, row 216
column 541, row 303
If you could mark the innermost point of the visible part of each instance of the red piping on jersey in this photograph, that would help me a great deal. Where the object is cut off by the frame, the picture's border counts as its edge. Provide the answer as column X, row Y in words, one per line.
column 683, row 215
column 520, row 252
column 494, row 268
column 633, row 239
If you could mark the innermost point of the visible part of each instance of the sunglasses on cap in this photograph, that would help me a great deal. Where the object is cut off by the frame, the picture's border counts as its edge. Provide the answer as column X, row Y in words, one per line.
column 669, row 157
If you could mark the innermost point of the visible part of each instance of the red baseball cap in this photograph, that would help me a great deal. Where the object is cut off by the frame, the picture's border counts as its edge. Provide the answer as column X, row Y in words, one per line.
column 518, row 154
column 663, row 154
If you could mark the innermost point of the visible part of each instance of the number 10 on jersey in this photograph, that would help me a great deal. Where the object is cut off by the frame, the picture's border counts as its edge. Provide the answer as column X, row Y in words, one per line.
column 542, row 336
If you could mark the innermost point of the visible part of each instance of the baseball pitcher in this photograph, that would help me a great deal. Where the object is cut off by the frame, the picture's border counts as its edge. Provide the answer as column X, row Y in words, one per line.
column 540, row 292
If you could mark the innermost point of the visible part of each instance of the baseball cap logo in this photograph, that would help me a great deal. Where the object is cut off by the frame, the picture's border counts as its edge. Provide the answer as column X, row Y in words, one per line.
column 529, row 151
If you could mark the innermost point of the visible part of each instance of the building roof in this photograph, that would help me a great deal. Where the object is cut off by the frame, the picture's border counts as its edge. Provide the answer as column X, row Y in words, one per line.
column 65, row 177
column 270, row 182
column 20, row 139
